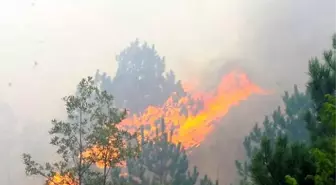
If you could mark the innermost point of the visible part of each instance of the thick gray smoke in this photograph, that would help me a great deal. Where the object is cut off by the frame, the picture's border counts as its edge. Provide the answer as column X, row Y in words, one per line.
column 278, row 39
column 271, row 40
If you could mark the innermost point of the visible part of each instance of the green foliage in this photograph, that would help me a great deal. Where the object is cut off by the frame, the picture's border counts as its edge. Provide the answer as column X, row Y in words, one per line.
column 322, row 124
column 322, row 75
column 162, row 162
column 92, row 121
column 284, row 151
column 142, row 71
column 323, row 150
column 273, row 162
column 291, row 121
column 290, row 180
column 206, row 181
column 166, row 162
column 90, row 137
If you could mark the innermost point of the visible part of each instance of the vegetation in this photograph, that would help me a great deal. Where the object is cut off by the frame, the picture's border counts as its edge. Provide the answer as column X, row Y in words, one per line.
column 95, row 150
column 296, row 146
column 142, row 70
column 281, row 152
column 167, row 163
column 291, row 122
column 91, row 128
column 91, row 137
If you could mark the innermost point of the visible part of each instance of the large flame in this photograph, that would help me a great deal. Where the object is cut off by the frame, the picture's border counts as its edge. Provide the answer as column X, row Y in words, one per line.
column 59, row 179
column 190, row 118
column 103, row 156
column 193, row 117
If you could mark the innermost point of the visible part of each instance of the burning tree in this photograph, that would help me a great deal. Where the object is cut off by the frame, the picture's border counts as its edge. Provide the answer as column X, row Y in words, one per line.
column 162, row 162
column 90, row 136
column 148, row 92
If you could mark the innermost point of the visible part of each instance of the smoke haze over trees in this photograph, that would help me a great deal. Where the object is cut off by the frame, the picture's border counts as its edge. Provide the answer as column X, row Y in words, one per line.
column 282, row 152
column 270, row 40
column 142, row 70
column 285, row 144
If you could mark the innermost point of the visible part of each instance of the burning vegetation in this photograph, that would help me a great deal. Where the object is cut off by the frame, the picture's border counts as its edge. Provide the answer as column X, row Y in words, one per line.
column 101, row 144
column 136, row 142
column 192, row 117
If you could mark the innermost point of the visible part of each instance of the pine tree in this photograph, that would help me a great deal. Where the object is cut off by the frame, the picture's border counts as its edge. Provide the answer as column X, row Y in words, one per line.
column 90, row 136
column 322, row 79
column 162, row 162
column 207, row 181
column 321, row 82
column 142, row 70
column 273, row 162
column 321, row 119
column 323, row 150
column 278, row 154
column 291, row 121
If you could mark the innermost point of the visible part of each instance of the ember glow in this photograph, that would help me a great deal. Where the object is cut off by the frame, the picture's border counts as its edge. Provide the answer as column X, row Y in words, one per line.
column 194, row 116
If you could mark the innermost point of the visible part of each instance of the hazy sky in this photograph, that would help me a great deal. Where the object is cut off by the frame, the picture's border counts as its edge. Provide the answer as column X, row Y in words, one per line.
column 70, row 39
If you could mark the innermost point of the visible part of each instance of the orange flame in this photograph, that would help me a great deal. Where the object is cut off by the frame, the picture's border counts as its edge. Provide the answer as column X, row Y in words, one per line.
column 103, row 156
column 59, row 179
column 192, row 117
column 190, row 123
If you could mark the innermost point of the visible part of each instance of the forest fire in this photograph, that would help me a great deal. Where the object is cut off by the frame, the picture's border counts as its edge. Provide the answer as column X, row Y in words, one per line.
column 190, row 118
column 193, row 117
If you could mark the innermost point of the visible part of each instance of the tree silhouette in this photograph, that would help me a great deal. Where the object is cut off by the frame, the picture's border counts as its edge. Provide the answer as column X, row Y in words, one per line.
column 141, row 79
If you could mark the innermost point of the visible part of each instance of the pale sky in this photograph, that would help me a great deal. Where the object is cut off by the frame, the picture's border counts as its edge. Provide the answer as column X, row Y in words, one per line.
column 71, row 39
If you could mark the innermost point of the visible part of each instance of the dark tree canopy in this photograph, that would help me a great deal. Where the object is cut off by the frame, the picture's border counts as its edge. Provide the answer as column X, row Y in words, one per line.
column 161, row 162
column 291, row 121
column 297, row 147
column 322, row 79
column 141, row 79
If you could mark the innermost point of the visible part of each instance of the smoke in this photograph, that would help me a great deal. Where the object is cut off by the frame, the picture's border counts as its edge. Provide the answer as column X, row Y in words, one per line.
column 286, row 35
column 270, row 40
column 276, row 40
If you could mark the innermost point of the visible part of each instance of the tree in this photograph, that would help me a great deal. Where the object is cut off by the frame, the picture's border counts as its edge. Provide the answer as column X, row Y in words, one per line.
column 323, row 150
column 207, row 181
column 162, row 162
column 321, row 122
column 273, row 162
column 322, row 76
column 140, row 79
column 321, row 82
column 276, row 156
column 290, row 121
column 89, row 136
